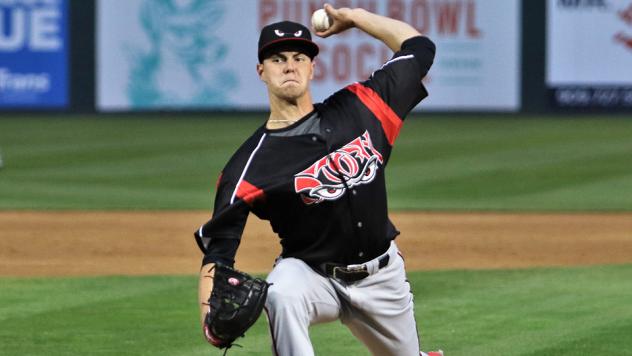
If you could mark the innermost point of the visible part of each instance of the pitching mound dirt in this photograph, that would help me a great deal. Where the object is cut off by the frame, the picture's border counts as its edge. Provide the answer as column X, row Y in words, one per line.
column 141, row 243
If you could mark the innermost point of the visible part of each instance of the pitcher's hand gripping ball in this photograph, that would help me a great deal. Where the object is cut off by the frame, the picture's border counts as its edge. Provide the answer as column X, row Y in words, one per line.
column 235, row 304
column 321, row 21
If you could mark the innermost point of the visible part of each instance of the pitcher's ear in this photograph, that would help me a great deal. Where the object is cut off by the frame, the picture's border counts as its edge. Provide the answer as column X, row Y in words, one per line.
column 260, row 70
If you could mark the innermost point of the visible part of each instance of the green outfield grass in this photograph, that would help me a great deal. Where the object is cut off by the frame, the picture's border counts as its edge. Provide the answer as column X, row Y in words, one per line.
column 558, row 311
column 439, row 163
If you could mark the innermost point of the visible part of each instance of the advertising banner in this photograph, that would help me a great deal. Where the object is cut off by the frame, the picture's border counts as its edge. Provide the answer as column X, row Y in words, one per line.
column 167, row 54
column 589, row 53
column 33, row 54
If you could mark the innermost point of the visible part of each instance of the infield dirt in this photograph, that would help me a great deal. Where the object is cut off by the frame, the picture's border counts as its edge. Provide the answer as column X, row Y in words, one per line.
column 146, row 243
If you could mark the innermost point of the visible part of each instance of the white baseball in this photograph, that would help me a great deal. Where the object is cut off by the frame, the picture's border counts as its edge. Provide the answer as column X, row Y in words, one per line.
column 320, row 20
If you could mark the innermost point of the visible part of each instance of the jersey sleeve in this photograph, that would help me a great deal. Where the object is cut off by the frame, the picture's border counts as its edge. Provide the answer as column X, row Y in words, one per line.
column 219, row 238
column 398, row 82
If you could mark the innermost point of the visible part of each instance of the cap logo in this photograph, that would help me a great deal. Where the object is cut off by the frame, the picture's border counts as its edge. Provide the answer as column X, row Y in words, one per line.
column 281, row 33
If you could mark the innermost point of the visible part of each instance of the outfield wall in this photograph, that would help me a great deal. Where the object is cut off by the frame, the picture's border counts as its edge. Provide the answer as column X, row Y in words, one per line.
column 531, row 56
column 156, row 56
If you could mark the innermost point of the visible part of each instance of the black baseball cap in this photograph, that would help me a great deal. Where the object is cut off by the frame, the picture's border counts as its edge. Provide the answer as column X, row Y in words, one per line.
column 286, row 35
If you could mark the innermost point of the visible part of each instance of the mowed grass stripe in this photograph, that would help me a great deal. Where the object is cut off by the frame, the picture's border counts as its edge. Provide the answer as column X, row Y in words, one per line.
column 486, row 163
column 497, row 183
column 114, row 163
column 517, row 312
column 114, row 315
column 512, row 166
column 474, row 158
column 561, row 311
column 91, row 196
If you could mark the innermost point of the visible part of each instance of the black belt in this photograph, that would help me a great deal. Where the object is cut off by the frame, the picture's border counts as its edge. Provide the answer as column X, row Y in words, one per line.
column 350, row 274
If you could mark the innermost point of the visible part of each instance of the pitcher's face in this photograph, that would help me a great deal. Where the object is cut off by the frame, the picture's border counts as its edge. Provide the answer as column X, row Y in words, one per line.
column 287, row 74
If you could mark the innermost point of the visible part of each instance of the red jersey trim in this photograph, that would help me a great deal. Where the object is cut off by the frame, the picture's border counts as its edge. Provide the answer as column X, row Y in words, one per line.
column 391, row 123
column 219, row 180
column 248, row 192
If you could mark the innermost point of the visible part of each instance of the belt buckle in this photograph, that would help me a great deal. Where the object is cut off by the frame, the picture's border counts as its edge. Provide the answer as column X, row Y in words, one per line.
column 334, row 271
column 356, row 268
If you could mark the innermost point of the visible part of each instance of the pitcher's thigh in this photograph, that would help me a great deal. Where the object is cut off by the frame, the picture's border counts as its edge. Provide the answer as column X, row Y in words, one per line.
column 297, row 289
column 381, row 314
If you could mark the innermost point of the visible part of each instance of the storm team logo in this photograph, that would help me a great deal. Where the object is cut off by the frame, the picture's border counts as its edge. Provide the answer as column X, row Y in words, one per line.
column 354, row 164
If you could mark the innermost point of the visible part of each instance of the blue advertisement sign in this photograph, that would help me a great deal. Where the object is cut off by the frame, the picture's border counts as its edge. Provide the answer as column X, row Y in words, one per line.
column 33, row 53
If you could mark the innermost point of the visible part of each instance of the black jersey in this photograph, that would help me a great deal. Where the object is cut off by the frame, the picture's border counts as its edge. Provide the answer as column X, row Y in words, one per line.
column 320, row 182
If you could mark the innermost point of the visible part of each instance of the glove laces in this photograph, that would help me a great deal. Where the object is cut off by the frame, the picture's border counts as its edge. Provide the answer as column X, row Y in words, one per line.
column 228, row 347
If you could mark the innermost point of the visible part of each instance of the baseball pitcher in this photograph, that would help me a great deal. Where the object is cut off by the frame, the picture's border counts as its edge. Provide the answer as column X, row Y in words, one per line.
column 316, row 172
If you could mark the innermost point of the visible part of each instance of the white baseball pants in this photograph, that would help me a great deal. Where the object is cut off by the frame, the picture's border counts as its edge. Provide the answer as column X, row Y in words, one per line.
column 377, row 309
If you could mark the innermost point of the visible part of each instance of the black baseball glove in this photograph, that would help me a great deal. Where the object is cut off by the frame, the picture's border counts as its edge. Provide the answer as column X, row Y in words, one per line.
column 235, row 304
